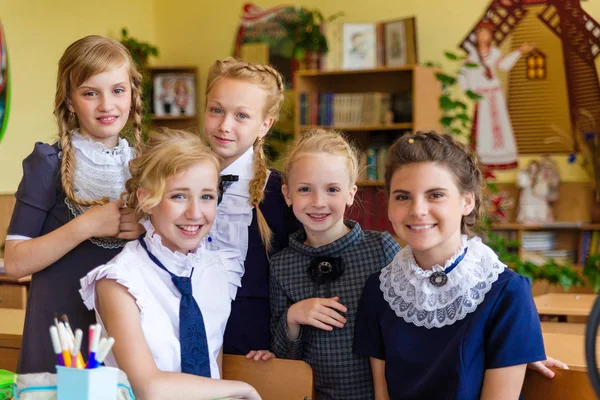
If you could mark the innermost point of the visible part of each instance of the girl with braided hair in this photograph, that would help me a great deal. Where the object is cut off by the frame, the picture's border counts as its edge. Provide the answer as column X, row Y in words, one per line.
column 243, row 100
column 68, row 218
column 446, row 318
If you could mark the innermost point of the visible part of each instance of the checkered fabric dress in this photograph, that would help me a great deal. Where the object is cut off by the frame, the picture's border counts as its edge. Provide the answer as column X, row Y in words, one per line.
column 339, row 373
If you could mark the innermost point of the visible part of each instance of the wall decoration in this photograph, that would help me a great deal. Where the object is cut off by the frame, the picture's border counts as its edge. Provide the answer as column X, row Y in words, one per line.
column 539, row 189
column 174, row 95
column 4, row 83
column 359, row 46
column 551, row 84
column 400, row 42
column 261, row 37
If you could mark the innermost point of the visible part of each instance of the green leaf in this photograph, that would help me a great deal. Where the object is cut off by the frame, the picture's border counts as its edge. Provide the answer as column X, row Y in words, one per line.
column 457, row 131
column 463, row 117
column 445, row 79
column 473, row 96
column 446, row 121
column 471, row 65
column 452, row 56
column 446, row 102
column 460, row 104
column 492, row 186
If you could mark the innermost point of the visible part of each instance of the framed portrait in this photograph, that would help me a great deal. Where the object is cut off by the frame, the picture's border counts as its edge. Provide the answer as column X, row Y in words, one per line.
column 174, row 95
column 400, row 42
column 359, row 49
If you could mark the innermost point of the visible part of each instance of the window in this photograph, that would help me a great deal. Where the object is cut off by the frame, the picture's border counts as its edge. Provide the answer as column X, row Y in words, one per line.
column 536, row 65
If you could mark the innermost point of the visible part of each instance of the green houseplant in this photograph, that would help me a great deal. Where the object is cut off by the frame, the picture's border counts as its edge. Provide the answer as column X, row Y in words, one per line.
column 305, row 32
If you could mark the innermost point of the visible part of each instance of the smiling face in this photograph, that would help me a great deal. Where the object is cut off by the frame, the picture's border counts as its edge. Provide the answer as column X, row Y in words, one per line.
column 319, row 188
column 426, row 209
column 102, row 104
column 234, row 117
column 188, row 207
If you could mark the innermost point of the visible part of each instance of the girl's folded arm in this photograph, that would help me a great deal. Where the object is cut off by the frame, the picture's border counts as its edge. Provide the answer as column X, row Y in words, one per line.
column 121, row 317
column 503, row 383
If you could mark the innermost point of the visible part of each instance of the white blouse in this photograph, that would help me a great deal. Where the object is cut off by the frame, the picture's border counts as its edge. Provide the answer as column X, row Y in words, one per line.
column 234, row 213
column 99, row 172
column 217, row 275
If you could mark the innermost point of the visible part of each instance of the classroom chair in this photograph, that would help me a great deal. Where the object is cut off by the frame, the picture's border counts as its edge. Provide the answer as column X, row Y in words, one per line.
column 566, row 385
column 274, row 379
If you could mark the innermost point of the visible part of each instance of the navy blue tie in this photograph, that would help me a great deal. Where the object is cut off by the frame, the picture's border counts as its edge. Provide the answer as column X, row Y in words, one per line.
column 192, row 333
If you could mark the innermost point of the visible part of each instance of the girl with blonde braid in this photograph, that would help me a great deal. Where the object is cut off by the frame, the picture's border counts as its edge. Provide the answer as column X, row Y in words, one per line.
column 68, row 218
column 243, row 101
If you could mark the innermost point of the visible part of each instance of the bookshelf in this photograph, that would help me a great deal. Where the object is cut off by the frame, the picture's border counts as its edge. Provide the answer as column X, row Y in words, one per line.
column 413, row 82
column 182, row 121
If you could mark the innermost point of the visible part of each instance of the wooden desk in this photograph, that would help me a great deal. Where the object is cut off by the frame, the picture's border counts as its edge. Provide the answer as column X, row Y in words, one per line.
column 566, row 342
column 11, row 330
column 565, row 304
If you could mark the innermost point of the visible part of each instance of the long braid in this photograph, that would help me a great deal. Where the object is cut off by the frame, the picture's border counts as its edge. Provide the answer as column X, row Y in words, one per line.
column 137, row 109
column 67, row 165
column 257, row 193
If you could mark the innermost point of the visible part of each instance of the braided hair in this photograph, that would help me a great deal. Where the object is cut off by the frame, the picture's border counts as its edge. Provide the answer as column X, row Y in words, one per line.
column 83, row 59
column 444, row 150
column 269, row 79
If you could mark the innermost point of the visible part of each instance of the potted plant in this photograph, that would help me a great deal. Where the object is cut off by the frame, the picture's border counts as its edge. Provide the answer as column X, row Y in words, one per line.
column 305, row 32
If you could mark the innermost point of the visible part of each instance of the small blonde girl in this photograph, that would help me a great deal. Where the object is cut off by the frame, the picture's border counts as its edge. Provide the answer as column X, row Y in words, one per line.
column 68, row 217
column 243, row 100
column 166, row 299
column 316, row 282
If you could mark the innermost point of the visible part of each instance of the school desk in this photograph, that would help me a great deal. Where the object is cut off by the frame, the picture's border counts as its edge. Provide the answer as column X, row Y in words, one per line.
column 11, row 330
column 566, row 342
column 565, row 304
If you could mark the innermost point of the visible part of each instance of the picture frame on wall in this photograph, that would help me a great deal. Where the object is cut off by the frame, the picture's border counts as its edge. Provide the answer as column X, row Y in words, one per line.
column 400, row 42
column 359, row 46
column 174, row 95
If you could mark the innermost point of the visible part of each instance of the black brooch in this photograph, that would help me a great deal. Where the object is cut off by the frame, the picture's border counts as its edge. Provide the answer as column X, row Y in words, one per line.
column 324, row 270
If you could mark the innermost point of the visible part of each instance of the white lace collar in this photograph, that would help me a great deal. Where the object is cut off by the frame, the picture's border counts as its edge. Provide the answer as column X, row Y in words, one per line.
column 100, row 154
column 178, row 263
column 408, row 291
column 242, row 167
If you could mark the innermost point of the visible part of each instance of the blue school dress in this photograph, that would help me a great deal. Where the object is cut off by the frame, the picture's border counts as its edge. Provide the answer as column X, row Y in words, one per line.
column 41, row 207
column 437, row 341
column 236, row 227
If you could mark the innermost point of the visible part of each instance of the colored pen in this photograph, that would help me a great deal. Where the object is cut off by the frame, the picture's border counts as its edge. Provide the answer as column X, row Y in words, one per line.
column 56, row 345
column 94, row 346
column 91, row 332
column 75, row 349
column 95, row 362
column 103, row 352
column 66, row 346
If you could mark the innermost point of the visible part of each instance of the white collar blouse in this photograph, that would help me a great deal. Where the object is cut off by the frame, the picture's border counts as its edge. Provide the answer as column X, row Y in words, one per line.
column 216, row 278
column 413, row 297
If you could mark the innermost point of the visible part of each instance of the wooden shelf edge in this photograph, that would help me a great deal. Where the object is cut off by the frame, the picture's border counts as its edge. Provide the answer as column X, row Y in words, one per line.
column 390, row 127
column 316, row 72
column 172, row 117
column 515, row 226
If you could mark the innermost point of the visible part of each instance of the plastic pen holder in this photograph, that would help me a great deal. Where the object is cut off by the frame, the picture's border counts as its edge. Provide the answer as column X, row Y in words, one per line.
column 87, row 384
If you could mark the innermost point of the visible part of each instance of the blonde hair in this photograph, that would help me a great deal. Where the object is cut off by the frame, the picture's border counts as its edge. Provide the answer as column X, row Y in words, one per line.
column 166, row 153
column 444, row 150
column 271, row 81
column 83, row 59
column 323, row 141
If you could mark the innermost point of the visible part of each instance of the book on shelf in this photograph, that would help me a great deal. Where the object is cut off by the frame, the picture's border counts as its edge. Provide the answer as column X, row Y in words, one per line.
column 590, row 244
column 353, row 109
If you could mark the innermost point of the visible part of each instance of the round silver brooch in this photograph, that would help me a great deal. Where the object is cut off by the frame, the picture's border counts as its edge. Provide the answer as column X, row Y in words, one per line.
column 438, row 279
column 325, row 267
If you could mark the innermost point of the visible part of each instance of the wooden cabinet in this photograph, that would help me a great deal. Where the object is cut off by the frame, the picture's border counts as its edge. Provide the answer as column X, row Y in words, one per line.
column 173, row 97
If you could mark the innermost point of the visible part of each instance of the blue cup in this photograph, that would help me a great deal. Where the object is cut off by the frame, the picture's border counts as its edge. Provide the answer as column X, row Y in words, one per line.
column 87, row 384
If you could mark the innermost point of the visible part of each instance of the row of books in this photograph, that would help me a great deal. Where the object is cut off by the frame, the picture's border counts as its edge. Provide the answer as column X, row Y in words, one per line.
column 590, row 244
column 369, row 45
column 354, row 109
column 370, row 210
column 373, row 162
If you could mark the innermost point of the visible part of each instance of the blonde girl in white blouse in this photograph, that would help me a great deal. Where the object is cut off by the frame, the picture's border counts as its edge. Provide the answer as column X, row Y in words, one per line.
column 175, row 185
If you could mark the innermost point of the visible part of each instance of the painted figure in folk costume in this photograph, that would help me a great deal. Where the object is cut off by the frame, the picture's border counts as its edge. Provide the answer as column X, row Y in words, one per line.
column 492, row 131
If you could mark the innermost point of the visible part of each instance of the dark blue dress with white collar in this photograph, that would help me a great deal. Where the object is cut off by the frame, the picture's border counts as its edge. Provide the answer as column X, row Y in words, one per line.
column 449, row 361
column 248, row 324
column 41, row 208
